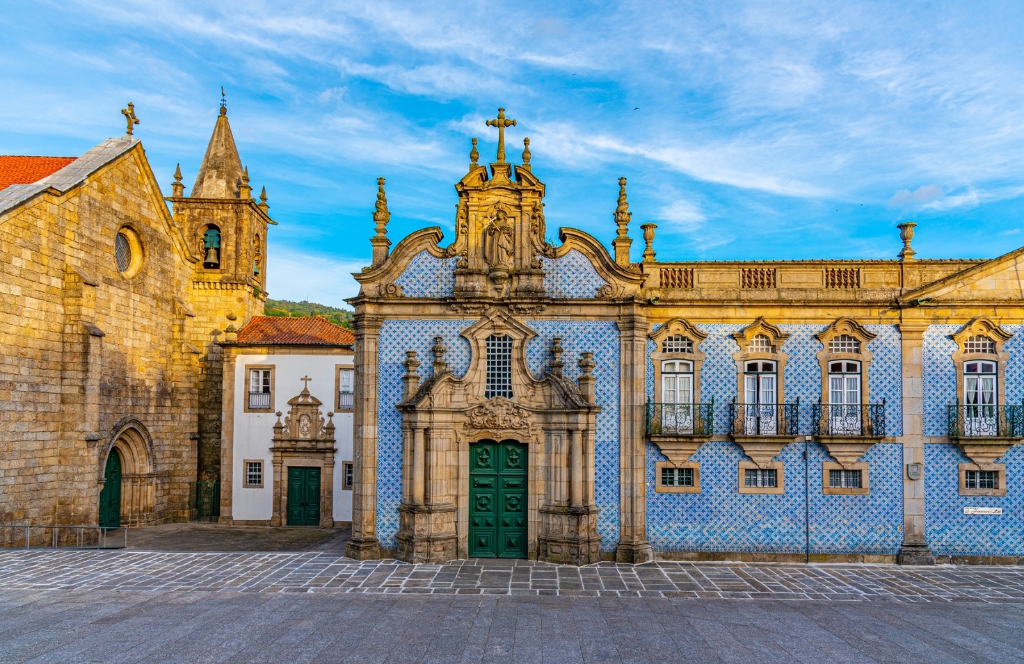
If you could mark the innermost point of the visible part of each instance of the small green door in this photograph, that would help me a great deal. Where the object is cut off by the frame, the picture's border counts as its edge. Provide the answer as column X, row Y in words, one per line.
column 110, row 496
column 303, row 496
column 497, row 499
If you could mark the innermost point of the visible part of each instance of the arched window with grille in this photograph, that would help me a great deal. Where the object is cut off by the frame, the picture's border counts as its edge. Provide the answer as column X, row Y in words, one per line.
column 677, row 343
column 761, row 344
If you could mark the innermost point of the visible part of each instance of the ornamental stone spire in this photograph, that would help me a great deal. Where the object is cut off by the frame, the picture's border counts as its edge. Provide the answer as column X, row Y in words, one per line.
column 621, row 243
column 381, row 217
column 221, row 171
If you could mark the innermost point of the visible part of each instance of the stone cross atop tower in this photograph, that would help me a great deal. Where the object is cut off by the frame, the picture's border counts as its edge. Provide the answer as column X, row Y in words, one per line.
column 501, row 122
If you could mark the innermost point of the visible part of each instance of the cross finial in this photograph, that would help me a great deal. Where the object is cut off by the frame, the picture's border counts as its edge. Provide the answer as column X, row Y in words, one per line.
column 129, row 115
column 223, row 98
column 305, row 383
column 500, row 122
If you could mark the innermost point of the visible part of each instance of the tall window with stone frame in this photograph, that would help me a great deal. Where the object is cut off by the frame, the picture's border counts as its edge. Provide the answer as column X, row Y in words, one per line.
column 499, row 367
column 259, row 389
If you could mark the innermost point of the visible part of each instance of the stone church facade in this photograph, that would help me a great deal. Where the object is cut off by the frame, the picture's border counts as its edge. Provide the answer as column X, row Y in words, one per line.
column 559, row 402
column 112, row 311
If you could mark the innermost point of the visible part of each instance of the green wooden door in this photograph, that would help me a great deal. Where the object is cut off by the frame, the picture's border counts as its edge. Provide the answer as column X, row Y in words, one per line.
column 497, row 500
column 303, row 496
column 110, row 496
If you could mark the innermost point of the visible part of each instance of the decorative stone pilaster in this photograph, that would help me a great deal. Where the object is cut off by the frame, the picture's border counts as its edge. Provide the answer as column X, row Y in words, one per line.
column 915, row 548
column 633, row 546
column 364, row 544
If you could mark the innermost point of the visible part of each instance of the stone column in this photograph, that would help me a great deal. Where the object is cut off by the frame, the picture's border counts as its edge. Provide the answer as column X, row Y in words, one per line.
column 364, row 544
column 633, row 546
column 277, row 516
column 915, row 549
column 418, row 465
column 576, row 464
column 227, row 437
column 327, row 501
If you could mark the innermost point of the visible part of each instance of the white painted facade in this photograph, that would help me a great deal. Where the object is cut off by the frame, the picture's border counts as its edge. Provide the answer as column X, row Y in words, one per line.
column 253, row 430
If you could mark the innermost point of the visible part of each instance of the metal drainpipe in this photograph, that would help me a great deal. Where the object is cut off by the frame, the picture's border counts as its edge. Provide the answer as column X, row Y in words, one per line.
column 807, row 498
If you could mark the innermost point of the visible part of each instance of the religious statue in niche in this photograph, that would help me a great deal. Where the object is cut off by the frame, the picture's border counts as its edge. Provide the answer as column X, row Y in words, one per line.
column 458, row 247
column 499, row 240
column 538, row 229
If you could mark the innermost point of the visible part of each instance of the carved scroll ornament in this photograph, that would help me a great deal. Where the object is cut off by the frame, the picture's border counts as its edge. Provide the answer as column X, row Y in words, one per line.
column 498, row 413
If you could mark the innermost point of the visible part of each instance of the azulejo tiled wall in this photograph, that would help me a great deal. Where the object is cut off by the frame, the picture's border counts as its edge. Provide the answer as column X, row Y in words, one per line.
column 397, row 337
column 602, row 339
column 570, row 276
column 803, row 372
column 426, row 276
column 948, row 530
column 719, row 518
column 1015, row 365
column 939, row 377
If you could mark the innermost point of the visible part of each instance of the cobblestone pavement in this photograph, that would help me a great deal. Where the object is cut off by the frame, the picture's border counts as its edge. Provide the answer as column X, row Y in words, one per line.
column 328, row 572
column 202, row 626
column 195, row 536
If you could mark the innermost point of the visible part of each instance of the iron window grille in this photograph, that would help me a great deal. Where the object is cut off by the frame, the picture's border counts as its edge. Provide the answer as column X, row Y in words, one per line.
column 844, row 343
column 677, row 343
column 760, row 344
column 499, row 367
column 845, row 479
column 850, row 419
column 761, row 478
column 348, row 473
column 259, row 389
column 677, row 477
column 122, row 252
column 254, row 473
column 680, row 419
column 980, row 344
column 981, row 479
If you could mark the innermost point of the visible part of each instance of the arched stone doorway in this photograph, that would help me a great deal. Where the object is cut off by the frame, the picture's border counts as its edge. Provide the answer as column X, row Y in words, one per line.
column 127, row 480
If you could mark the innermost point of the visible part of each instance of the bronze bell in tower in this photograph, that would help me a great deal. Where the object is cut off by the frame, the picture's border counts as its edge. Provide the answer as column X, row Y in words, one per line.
column 212, row 258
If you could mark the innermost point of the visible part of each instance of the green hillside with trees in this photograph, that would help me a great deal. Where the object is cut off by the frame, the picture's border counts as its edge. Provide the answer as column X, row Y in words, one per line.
column 341, row 317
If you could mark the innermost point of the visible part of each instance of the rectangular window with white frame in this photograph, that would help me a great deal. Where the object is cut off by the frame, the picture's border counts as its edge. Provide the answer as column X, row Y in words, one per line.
column 260, row 385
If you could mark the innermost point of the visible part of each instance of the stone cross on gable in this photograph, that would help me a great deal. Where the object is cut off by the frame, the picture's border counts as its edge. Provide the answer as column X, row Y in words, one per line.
column 501, row 123
column 129, row 115
column 305, row 382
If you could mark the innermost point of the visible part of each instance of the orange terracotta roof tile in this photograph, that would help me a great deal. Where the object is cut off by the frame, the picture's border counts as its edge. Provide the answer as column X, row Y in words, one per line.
column 298, row 331
column 26, row 170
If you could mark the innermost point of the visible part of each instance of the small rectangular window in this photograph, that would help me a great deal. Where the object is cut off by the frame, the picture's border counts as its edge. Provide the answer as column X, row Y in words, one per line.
column 346, row 385
column 253, row 474
column 981, row 479
column 760, row 478
column 845, row 479
column 260, row 389
column 347, row 474
column 677, row 476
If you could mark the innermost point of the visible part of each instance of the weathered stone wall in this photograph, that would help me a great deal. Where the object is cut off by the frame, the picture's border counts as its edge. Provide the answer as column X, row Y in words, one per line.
column 85, row 348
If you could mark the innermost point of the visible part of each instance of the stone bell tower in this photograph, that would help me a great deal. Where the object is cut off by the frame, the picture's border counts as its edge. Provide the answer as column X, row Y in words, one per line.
column 500, row 226
column 225, row 229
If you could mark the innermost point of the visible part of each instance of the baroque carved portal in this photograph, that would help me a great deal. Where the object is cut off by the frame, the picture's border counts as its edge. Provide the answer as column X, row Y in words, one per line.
column 553, row 421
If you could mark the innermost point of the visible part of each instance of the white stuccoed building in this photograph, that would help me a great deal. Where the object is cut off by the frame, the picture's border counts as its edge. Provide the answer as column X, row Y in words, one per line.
column 286, row 454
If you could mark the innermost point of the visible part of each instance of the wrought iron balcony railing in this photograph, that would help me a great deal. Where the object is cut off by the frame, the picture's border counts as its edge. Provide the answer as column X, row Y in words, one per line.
column 345, row 400
column 680, row 419
column 985, row 421
column 259, row 401
column 781, row 419
column 862, row 420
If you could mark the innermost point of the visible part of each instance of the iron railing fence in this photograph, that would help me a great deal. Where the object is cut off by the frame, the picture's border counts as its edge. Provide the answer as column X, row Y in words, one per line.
column 782, row 419
column 204, row 501
column 345, row 400
column 77, row 537
column 680, row 419
column 259, row 401
column 849, row 419
column 985, row 421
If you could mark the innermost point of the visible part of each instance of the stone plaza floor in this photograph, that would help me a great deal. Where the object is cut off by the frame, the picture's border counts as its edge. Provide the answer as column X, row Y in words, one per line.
column 128, row 606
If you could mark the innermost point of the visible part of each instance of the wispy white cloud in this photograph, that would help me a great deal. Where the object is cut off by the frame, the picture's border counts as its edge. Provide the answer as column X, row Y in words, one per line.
column 681, row 216
column 920, row 197
column 297, row 276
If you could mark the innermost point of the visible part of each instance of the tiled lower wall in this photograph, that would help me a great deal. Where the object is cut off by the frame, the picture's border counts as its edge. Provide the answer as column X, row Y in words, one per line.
column 948, row 530
column 719, row 518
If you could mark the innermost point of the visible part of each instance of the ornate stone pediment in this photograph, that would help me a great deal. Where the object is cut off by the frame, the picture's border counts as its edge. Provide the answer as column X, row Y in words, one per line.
column 304, row 427
column 497, row 413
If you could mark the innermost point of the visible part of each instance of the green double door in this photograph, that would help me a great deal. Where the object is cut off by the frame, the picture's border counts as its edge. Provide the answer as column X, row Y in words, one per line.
column 303, row 496
column 497, row 499
column 110, row 496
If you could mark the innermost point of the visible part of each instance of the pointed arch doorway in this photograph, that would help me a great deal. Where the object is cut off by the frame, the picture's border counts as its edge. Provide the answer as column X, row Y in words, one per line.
column 498, row 499
column 110, row 495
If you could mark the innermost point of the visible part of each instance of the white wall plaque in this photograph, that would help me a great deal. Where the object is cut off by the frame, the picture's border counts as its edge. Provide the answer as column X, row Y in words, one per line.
column 983, row 510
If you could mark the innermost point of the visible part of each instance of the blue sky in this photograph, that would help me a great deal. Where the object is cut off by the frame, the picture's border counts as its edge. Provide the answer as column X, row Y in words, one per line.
column 781, row 130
